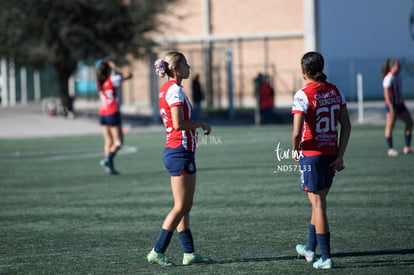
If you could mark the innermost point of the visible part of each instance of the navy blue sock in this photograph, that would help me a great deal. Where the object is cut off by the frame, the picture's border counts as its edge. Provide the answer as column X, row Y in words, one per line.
column 110, row 159
column 324, row 242
column 163, row 241
column 408, row 140
column 111, row 155
column 186, row 241
column 312, row 241
column 389, row 142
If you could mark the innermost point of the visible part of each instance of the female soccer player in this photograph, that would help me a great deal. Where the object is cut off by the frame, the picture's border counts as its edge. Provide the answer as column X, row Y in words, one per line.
column 178, row 157
column 317, row 109
column 395, row 107
column 109, row 113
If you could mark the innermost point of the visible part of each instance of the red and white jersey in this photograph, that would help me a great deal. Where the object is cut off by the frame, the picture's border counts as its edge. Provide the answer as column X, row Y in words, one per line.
column 394, row 84
column 172, row 94
column 108, row 95
column 320, row 103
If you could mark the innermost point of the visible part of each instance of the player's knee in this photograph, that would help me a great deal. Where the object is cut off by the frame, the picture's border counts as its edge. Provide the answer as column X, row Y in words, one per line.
column 182, row 209
column 118, row 144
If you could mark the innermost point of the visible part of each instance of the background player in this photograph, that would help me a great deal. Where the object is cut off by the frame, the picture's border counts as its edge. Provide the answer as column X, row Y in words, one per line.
column 178, row 157
column 109, row 112
column 395, row 107
column 317, row 109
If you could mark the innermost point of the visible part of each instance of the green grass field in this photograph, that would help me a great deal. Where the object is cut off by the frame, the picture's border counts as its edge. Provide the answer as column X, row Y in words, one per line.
column 61, row 214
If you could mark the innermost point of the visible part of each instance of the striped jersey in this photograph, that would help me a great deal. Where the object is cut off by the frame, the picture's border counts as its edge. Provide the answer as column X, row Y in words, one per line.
column 394, row 84
column 320, row 103
column 108, row 95
column 172, row 94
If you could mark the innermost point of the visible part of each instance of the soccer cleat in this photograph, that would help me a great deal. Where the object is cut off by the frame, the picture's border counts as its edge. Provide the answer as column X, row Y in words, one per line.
column 309, row 255
column 321, row 264
column 392, row 152
column 158, row 258
column 108, row 168
column 408, row 150
column 113, row 172
column 194, row 258
column 104, row 162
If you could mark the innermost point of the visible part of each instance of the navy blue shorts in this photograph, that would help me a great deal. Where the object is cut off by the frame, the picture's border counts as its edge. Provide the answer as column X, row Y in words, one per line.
column 179, row 161
column 399, row 108
column 316, row 175
column 110, row 120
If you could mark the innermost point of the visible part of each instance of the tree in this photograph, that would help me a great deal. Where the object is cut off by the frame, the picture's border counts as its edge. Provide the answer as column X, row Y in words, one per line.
column 60, row 33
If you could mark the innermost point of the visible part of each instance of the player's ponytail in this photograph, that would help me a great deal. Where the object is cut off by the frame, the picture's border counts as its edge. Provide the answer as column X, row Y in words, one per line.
column 320, row 77
column 387, row 66
column 312, row 64
column 103, row 72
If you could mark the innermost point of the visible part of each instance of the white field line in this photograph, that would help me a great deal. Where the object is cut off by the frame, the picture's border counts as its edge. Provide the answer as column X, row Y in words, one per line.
column 64, row 155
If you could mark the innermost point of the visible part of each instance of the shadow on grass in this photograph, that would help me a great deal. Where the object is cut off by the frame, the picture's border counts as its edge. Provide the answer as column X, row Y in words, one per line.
column 335, row 255
column 258, row 259
column 374, row 253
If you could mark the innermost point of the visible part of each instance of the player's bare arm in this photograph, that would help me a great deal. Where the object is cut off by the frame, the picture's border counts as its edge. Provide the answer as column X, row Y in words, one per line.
column 345, row 133
column 180, row 124
column 126, row 74
column 298, row 119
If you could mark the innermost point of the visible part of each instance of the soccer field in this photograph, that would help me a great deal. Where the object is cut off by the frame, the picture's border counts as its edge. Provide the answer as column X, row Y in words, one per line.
column 61, row 214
